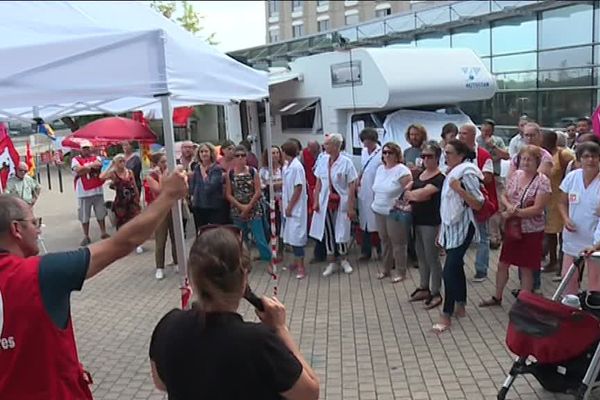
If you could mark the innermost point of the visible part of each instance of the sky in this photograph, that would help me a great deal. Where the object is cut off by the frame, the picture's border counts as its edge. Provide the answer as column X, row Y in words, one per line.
column 237, row 24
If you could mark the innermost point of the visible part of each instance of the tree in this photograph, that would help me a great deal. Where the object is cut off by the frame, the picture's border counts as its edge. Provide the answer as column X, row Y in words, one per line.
column 189, row 19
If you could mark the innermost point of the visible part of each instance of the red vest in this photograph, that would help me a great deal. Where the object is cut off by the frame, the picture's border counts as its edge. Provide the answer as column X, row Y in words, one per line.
column 92, row 179
column 37, row 359
column 482, row 156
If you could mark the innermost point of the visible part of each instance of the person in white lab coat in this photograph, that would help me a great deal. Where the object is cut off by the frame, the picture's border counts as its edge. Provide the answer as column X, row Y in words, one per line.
column 294, row 205
column 370, row 161
column 334, row 205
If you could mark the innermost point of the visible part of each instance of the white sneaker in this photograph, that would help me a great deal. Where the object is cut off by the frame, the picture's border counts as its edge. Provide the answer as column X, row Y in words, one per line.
column 331, row 268
column 160, row 273
column 346, row 266
column 139, row 250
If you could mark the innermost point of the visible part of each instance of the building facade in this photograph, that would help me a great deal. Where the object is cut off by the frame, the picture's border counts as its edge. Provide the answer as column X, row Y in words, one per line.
column 294, row 19
column 544, row 54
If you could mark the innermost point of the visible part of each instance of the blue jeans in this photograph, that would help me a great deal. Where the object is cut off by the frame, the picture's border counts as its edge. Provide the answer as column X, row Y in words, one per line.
column 537, row 279
column 256, row 227
column 367, row 246
column 455, row 284
column 482, row 258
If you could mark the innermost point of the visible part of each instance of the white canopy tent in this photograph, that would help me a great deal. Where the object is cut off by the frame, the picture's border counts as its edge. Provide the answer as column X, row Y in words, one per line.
column 63, row 58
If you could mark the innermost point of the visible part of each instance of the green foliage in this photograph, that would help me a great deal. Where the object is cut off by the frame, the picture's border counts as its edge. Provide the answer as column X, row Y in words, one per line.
column 189, row 19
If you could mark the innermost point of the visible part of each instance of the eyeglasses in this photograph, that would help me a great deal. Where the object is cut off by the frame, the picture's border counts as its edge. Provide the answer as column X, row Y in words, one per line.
column 427, row 156
column 240, row 155
column 37, row 222
column 387, row 152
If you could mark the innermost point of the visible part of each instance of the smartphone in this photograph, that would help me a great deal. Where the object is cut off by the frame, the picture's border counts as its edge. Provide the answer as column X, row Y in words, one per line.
column 253, row 299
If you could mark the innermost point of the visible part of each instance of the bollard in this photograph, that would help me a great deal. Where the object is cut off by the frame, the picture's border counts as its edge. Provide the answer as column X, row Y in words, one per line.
column 48, row 173
column 60, row 183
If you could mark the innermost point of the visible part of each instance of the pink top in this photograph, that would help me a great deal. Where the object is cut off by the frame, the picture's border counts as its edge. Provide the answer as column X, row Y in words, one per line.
column 515, row 190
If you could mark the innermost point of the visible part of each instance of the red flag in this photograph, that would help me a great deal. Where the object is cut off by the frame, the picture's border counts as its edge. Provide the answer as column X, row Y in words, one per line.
column 29, row 160
column 181, row 115
column 139, row 117
column 9, row 157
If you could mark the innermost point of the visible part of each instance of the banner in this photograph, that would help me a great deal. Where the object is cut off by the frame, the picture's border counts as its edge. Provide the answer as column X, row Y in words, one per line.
column 9, row 157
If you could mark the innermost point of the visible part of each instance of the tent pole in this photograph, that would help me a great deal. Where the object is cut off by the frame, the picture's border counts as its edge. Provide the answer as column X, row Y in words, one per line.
column 169, row 136
column 274, row 238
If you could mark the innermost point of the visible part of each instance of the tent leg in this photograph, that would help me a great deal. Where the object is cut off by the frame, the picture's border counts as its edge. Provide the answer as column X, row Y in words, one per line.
column 169, row 134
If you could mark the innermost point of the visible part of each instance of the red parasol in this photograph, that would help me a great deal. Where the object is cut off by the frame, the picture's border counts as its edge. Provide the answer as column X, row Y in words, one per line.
column 75, row 143
column 113, row 130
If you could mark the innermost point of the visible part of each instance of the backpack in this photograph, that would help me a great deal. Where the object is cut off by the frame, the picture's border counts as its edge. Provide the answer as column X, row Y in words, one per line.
column 488, row 209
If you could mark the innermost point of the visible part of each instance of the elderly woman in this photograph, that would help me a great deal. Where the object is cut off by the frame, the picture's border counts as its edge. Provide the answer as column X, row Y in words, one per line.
column 126, row 204
column 391, row 179
column 206, row 188
column 225, row 357
column 334, row 203
column 461, row 194
column 527, row 194
column 580, row 199
column 154, row 179
column 424, row 197
column 242, row 190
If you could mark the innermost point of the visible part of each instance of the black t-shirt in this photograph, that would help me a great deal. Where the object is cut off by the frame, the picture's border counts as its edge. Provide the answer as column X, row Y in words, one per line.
column 219, row 356
column 428, row 212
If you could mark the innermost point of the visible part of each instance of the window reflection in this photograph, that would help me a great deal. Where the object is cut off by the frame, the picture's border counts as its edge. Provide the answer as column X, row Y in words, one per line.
column 519, row 80
column 514, row 35
column 371, row 30
column 566, row 77
column 509, row 106
column 575, row 57
column 476, row 39
column 558, row 105
column 518, row 62
column 566, row 26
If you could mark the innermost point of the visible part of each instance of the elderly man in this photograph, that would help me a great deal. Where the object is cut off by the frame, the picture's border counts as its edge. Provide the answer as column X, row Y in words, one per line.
column 484, row 161
column 532, row 134
column 38, row 354
column 23, row 186
column 334, row 204
column 88, row 188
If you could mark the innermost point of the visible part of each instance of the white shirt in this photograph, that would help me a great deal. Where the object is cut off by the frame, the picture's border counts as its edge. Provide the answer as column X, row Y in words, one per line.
column 583, row 208
column 515, row 144
column 488, row 165
column 387, row 187
column 79, row 190
column 343, row 173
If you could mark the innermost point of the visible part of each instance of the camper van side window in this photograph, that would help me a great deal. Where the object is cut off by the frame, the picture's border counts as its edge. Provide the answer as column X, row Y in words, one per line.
column 346, row 74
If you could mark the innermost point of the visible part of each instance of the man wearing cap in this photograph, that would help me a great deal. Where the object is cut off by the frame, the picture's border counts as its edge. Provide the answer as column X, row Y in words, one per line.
column 88, row 189
column 495, row 146
column 23, row 186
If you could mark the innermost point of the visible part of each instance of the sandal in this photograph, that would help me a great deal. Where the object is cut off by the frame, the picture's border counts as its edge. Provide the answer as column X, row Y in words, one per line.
column 433, row 301
column 420, row 294
column 398, row 278
column 440, row 328
column 493, row 302
column 382, row 275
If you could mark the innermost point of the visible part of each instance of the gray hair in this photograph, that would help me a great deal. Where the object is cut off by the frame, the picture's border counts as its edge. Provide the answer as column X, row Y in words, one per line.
column 10, row 210
column 23, row 165
column 336, row 138
column 535, row 126
column 118, row 157
column 470, row 127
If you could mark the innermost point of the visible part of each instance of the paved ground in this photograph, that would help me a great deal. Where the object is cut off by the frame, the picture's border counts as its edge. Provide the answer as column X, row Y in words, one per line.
column 362, row 336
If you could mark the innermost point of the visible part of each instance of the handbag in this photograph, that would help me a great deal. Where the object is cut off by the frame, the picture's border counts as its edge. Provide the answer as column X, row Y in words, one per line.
column 402, row 214
column 512, row 225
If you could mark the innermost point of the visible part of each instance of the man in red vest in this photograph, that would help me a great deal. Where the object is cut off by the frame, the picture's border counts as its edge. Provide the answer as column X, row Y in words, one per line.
column 467, row 134
column 38, row 355
column 88, row 188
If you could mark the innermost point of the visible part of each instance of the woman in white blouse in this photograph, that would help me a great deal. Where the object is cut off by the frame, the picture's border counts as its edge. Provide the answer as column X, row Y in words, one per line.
column 390, row 180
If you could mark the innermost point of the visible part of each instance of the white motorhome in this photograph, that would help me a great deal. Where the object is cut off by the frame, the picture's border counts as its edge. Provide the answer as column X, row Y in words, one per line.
column 385, row 88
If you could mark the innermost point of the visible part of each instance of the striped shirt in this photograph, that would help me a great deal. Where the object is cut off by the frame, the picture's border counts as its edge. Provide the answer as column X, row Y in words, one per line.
column 454, row 235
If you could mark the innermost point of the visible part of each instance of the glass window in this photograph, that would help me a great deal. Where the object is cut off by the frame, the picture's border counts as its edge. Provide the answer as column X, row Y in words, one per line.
column 383, row 12
column 477, row 110
column 323, row 25
column 322, row 3
column 401, row 23
column 558, row 105
column 509, row 106
column 476, row 39
column 514, row 35
column 518, row 62
column 273, row 8
column 519, row 80
column 575, row 57
column 297, row 5
column 372, row 30
column 298, row 30
column 273, row 35
column 487, row 62
column 566, row 77
column 566, row 26
column 434, row 40
column 352, row 19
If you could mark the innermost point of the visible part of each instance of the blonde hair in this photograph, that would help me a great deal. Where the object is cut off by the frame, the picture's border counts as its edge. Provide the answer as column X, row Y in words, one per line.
column 118, row 158
column 211, row 150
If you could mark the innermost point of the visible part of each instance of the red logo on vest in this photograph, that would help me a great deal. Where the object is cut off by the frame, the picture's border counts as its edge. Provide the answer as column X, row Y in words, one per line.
column 92, row 179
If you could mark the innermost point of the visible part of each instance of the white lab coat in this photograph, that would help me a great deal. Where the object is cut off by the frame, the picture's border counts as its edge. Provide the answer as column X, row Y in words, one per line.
column 343, row 174
column 295, row 227
column 370, row 163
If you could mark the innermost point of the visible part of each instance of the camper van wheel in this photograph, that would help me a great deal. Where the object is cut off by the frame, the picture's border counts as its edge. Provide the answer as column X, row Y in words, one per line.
column 502, row 393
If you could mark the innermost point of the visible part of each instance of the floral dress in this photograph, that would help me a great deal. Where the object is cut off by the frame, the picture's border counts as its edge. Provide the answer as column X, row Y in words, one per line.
column 127, row 200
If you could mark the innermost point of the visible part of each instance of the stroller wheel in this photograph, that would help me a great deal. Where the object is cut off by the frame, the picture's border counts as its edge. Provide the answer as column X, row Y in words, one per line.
column 502, row 393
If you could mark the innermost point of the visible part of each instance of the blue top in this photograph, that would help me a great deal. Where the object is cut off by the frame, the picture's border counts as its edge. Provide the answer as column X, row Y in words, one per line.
column 207, row 193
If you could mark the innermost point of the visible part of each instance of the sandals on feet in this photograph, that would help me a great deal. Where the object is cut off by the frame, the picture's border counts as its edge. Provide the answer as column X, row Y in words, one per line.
column 433, row 301
column 439, row 328
column 398, row 278
column 420, row 294
column 493, row 302
column 382, row 275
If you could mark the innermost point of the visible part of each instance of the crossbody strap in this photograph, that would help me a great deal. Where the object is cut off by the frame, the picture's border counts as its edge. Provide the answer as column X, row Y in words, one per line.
column 526, row 190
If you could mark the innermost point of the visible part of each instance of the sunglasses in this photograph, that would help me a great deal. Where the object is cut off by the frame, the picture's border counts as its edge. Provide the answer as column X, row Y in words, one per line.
column 388, row 152
column 37, row 222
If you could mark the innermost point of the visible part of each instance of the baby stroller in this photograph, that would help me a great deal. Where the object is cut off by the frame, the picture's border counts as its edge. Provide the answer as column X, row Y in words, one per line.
column 563, row 341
